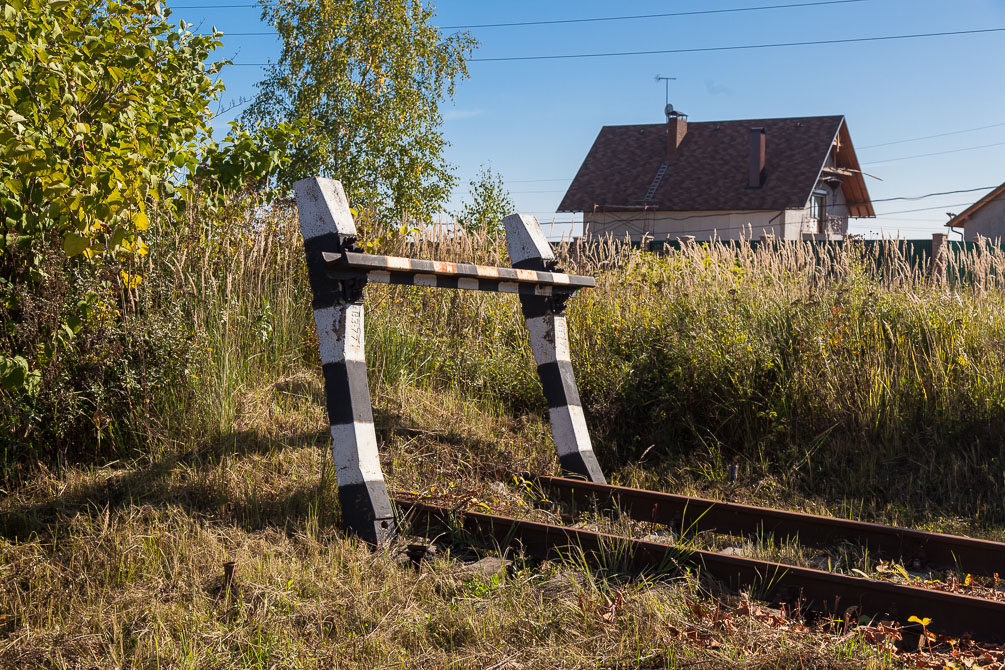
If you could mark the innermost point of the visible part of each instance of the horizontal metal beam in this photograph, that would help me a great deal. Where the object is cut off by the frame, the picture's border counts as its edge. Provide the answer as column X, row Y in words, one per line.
column 441, row 274
column 700, row 514
column 950, row 613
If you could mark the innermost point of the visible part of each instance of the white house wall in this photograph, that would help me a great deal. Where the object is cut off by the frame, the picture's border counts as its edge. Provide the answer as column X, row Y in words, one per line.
column 988, row 221
column 702, row 225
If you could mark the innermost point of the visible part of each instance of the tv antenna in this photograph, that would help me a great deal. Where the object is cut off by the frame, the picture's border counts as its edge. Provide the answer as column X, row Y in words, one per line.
column 669, row 108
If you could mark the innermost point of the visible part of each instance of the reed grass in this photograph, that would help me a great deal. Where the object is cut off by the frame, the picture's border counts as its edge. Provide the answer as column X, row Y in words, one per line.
column 843, row 379
column 839, row 370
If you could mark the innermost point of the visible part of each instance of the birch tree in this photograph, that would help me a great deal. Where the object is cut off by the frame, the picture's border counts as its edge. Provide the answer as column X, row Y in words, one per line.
column 368, row 77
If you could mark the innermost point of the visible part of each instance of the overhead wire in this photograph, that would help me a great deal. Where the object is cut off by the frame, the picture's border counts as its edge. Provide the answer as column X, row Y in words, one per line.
column 857, row 202
column 528, row 181
column 210, row 6
column 735, row 47
column 594, row 19
column 739, row 47
column 935, row 153
column 636, row 226
column 926, row 195
column 630, row 17
column 928, row 209
column 870, row 146
column 929, row 137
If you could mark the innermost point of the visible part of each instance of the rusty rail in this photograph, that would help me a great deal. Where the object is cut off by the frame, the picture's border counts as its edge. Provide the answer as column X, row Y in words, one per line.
column 950, row 613
column 700, row 514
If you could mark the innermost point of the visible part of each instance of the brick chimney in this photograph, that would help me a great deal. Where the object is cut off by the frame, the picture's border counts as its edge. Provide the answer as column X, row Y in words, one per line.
column 755, row 178
column 676, row 129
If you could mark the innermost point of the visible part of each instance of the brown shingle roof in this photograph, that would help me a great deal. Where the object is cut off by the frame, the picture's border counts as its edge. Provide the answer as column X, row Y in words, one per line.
column 710, row 169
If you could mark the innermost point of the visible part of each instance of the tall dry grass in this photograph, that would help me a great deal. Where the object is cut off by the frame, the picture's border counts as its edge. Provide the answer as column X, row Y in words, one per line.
column 844, row 371
column 839, row 381
column 841, row 370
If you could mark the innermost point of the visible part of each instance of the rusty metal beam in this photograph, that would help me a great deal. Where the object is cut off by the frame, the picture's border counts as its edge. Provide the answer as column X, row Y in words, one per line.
column 950, row 613
column 701, row 514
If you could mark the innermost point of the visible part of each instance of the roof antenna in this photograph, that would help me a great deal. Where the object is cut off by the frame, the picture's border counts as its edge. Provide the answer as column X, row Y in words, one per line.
column 668, row 110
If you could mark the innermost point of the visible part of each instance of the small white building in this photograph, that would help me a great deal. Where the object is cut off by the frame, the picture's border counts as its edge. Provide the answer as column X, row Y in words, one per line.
column 984, row 218
column 793, row 178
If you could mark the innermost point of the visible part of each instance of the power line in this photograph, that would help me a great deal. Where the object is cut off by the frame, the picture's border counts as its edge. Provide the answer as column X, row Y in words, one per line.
column 566, row 179
column 528, row 181
column 862, row 202
column 929, row 137
column 649, row 16
column 265, row 32
column 641, row 224
column 935, row 153
column 739, row 47
column 937, row 222
column 930, row 195
column 871, row 146
column 596, row 19
column 924, row 209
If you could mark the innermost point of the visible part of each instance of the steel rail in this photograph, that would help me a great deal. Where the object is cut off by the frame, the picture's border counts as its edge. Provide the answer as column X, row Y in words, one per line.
column 441, row 274
column 700, row 514
column 950, row 613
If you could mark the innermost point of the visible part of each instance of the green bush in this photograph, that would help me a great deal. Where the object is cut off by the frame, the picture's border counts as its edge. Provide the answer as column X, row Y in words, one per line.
column 104, row 134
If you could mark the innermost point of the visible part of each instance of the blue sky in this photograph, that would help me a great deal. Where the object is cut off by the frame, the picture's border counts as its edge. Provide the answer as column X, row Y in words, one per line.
column 534, row 121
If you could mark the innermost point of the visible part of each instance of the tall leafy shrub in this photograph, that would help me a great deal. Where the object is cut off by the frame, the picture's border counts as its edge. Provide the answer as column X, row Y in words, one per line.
column 100, row 102
column 104, row 135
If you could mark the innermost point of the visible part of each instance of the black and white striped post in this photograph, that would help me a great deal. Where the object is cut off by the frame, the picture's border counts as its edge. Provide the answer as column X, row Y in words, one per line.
column 338, row 273
column 549, row 339
column 327, row 226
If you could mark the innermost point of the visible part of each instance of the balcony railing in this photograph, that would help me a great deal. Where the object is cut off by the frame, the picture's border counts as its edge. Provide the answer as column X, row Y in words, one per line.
column 832, row 225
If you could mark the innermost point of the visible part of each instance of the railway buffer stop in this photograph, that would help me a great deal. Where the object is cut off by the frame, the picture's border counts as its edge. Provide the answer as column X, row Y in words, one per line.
column 338, row 273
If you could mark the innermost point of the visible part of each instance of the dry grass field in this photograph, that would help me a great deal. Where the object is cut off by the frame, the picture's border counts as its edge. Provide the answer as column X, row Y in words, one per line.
column 837, row 384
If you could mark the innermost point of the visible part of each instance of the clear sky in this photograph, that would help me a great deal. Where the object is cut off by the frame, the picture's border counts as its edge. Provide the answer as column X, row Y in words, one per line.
column 534, row 121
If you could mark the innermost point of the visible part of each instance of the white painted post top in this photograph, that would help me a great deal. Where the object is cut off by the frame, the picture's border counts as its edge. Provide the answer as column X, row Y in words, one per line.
column 525, row 239
column 323, row 208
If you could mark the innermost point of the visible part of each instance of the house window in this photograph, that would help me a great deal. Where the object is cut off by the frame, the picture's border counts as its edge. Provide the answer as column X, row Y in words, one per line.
column 818, row 205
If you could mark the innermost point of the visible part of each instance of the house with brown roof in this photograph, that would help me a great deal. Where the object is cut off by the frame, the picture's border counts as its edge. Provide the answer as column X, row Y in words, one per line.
column 792, row 178
column 984, row 218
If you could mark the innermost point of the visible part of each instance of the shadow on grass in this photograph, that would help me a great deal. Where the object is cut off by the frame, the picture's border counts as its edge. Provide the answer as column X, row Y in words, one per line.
column 197, row 481
column 199, row 492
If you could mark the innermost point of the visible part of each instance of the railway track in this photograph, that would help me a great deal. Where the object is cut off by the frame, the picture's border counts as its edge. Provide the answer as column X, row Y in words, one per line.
column 966, row 554
column 951, row 613
column 338, row 274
